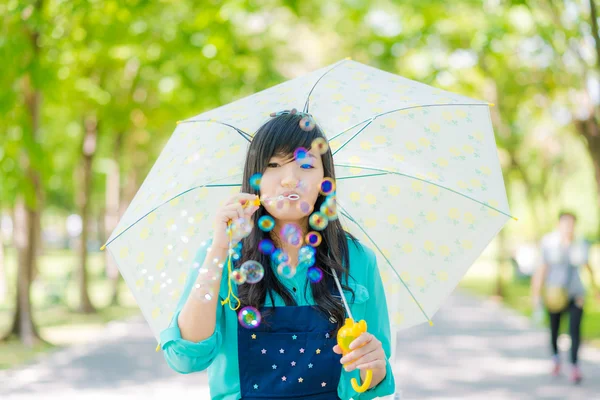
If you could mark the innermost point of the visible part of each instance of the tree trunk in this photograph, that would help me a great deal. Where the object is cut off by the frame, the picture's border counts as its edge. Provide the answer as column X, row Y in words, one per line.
column 25, row 241
column 27, row 210
column 110, row 221
column 88, row 152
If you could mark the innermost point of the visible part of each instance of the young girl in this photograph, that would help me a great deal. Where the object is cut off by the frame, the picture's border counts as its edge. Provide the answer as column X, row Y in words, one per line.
column 274, row 336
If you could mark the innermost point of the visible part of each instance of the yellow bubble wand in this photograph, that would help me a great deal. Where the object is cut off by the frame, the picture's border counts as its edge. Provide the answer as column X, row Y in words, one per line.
column 347, row 334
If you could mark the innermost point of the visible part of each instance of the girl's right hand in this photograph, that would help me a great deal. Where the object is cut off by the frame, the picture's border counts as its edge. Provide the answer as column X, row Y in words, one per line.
column 232, row 210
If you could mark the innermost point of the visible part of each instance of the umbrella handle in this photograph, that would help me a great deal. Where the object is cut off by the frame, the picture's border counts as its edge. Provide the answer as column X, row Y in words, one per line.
column 346, row 335
column 365, row 385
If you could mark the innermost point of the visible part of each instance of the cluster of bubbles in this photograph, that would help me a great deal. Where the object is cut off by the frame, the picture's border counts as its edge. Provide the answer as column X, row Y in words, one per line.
column 252, row 271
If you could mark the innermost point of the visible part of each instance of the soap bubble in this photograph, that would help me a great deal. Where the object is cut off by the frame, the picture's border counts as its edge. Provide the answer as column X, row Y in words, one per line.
column 286, row 270
column 327, row 186
column 320, row 144
column 318, row 221
column 314, row 274
column 255, row 181
column 253, row 270
column 238, row 276
column 266, row 223
column 313, row 238
column 266, row 246
column 249, row 317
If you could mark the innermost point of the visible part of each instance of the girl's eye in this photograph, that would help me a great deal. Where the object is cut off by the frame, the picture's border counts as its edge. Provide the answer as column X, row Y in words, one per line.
column 272, row 165
column 306, row 166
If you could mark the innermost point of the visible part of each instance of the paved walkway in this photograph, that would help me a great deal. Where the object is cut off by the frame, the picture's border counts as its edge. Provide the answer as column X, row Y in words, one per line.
column 475, row 351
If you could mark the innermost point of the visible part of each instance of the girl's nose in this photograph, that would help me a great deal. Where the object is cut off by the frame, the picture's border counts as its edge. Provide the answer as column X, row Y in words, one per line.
column 289, row 182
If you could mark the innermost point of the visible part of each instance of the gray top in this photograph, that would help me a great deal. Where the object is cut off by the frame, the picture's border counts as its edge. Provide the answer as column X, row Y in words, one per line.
column 562, row 260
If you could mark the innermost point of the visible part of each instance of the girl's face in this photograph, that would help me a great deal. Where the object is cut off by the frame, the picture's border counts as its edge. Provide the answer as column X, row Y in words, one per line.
column 286, row 175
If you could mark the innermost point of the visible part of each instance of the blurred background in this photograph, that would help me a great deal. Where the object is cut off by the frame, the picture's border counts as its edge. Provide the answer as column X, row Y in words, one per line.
column 90, row 91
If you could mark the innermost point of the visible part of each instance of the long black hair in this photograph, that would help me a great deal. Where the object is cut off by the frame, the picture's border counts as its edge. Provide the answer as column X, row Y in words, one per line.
column 281, row 136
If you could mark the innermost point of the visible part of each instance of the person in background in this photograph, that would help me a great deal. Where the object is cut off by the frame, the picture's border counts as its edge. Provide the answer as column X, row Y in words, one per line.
column 557, row 286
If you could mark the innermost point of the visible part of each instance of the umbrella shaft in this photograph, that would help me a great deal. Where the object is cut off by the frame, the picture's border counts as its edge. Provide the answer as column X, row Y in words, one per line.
column 339, row 287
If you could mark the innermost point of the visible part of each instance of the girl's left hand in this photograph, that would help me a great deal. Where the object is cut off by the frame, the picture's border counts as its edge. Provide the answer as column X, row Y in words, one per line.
column 369, row 356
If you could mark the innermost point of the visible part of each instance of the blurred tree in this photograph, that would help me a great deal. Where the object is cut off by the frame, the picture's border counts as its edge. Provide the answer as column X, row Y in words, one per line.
column 24, row 26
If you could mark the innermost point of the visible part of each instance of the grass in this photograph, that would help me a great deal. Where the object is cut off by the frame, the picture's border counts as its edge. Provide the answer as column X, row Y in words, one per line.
column 54, row 297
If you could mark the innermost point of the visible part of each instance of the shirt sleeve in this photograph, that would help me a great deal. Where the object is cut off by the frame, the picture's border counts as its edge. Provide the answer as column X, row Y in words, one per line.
column 183, row 355
column 378, row 324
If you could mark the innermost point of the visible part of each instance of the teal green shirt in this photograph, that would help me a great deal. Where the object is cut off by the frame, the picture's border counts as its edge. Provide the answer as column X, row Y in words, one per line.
column 219, row 353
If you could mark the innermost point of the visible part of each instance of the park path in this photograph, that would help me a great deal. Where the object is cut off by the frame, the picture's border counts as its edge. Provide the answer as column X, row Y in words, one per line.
column 476, row 350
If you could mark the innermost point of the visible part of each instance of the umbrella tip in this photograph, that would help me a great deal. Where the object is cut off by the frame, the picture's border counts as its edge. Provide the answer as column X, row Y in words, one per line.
column 348, row 58
column 177, row 123
column 430, row 323
column 515, row 218
column 157, row 347
column 491, row 104
column 103, row 247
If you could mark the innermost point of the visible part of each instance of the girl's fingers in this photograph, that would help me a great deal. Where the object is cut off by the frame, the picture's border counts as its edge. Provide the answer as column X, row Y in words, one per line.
column 365, row 359
column 337, row 349
column 356, row 354
column 363, row 339
column 376, row 364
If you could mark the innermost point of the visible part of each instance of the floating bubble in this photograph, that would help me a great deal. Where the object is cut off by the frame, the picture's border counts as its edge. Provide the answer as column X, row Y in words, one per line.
column 304, row 207
column 249, row 317
column 292, row 234
column 313, row 238
column 253, row 270
column 286, row 270
column 300, row 153
column 306, row 253
column 282, row 205
column 266, row 246
column 318, row 221
column 320, row 144
column 327, row 186
column 239, row 228
column 266, row 223
column 280, row 256
column 307, row 123
column 330, row 211
column 238, row 276
column 314, row 274
column 255, row 181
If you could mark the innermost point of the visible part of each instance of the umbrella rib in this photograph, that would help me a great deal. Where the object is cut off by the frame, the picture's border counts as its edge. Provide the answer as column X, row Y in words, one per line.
column 347, row 215
column 392, row 111
column 315, row 85
column 243, row 134
column 171, row 199
column 384, row 172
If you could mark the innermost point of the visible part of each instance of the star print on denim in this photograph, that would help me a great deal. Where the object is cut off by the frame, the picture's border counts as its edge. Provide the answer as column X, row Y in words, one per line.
column 310, row 365
column 253, row 336
column 274, row 366
column 323, row 384
column 327, row 335
column 318, row 351
column 293, row 363
column 294, row 337
column 264, row 351
column 283, row 378
column 281, row 351
column 300, row 380
column 302, row 351
column 255, row 386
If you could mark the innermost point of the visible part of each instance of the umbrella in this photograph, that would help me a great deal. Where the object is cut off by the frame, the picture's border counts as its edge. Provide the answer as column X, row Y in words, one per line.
column 418, row 180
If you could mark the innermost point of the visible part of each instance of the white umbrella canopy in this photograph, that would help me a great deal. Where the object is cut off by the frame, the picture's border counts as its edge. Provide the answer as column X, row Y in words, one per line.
column 418, row 181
